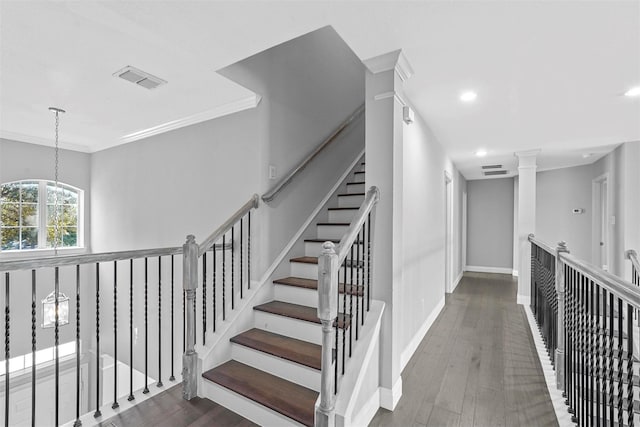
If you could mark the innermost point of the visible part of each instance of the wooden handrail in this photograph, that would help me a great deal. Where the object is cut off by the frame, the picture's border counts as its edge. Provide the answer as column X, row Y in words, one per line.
column 271, row 194
column 226, row 226
column 59, row 261
column 543, row 245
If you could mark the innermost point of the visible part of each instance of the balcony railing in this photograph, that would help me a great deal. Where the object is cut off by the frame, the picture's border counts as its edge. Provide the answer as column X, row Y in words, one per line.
column 586, row 316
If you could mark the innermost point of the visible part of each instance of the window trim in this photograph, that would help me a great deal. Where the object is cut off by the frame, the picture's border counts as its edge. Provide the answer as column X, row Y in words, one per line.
column 42, row 250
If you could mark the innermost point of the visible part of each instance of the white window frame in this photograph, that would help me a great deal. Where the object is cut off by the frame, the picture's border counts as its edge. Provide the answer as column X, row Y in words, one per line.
column 42, row 249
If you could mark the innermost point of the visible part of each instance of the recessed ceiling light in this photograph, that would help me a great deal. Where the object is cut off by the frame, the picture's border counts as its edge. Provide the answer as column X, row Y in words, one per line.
column 634, row 91
column 481, row 153
column 587, row 155
column 468, row 96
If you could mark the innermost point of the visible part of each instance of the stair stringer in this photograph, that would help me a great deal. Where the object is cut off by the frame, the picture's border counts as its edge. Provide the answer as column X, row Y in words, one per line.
column 219, row 348
column 358, row 397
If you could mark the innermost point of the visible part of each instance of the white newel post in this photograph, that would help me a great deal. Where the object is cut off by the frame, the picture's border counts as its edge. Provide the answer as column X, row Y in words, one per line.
column 526, row 220
column 190, row 284
column 560, row 289
column 327, row 313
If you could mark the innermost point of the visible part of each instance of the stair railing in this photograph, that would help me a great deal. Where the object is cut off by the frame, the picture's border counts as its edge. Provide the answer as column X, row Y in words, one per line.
column 345, row 269
column 635, row 266
column 595, row 333
column 272, row 193
column 25, row 281
column 229, row 275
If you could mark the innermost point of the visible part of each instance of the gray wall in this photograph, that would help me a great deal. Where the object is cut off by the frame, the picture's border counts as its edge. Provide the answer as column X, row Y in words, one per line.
column 490, row 220
column 558, row 192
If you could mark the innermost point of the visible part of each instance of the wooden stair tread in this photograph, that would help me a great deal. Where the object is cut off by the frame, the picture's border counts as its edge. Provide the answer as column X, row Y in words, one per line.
column 305, row 259
column 336, row 241
column 360, row 172
column 301, row 352
column 344, row 209
column 300, row 312
column 313, row 284
column 355, row 183
column 351, row 194
column 342, row 224
column 282, row 396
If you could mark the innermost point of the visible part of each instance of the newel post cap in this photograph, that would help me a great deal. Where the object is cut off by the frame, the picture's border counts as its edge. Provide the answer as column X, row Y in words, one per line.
column 631, row 253
column 562, row 246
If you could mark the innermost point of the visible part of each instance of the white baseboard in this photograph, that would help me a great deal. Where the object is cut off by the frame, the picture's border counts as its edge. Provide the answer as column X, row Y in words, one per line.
column 405, row 356
column 498, row 270
column 457, row 281
column 560, row 408
column 524, row 300
column 389, row 398
column 368, row 410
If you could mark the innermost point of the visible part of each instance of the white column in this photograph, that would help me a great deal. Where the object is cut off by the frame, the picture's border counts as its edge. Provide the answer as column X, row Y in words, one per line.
column 526, row 220
column 383, row 135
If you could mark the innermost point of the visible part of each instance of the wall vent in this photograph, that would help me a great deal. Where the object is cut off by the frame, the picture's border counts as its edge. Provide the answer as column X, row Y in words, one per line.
column 139, row 77
column 492, row 167
column 491, row 173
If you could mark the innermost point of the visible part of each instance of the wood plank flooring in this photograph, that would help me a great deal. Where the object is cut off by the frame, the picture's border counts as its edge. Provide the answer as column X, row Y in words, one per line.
column 477, row 366
column 169, row 409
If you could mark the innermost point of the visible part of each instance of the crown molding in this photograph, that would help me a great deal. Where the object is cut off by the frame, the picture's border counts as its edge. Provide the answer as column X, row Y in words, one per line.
column 32, row 139
column 395, row 60
column 223, row 110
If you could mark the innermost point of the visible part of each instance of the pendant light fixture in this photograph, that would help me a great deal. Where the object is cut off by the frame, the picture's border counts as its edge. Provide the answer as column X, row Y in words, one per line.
column 55, row 307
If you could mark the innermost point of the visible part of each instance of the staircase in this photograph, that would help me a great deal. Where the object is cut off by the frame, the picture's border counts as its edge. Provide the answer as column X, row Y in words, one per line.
column 273, row 377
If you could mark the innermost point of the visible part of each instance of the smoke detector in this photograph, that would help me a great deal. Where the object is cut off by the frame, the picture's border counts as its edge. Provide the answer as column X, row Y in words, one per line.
column 139, row 77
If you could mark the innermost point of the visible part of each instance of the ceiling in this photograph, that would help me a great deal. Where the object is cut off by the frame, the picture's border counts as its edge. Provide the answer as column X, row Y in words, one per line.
column 549, row 75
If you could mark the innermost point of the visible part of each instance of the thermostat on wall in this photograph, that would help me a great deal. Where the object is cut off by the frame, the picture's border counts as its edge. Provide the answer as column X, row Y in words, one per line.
column 578, row 211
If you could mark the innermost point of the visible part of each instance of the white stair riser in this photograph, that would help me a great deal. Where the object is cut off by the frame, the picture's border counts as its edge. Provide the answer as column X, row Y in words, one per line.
column 331, row 231
column 294, row 328
column 355, row 188
column 296, row 295
column 358, row 177
column 315, row 248
column 342, row 215
column 304, row 270
column 246, row 407
column 350, row 201
column 290, row 371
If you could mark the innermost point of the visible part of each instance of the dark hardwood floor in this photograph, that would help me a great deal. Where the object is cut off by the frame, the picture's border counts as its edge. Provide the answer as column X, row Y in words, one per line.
column 477, row 365
column 169, row 409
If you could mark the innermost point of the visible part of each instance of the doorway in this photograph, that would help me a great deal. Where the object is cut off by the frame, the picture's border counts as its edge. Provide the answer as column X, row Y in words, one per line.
column 600, row 241
column 448, row 247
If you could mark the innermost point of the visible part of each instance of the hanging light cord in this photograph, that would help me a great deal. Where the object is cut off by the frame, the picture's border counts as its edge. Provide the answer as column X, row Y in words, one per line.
column 56, row 216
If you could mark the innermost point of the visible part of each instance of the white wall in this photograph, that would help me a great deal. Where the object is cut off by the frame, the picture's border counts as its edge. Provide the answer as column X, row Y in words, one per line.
column 490, row 215
column 558, row 192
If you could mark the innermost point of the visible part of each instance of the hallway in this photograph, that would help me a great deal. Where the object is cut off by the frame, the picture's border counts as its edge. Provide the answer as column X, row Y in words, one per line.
column 477, row 365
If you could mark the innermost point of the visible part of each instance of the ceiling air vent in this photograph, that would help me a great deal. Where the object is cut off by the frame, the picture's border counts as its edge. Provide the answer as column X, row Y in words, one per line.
column 491, row 173
column 139, row 77
column 491, row 166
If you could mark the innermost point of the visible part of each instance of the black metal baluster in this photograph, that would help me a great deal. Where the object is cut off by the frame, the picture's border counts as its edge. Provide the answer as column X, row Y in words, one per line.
column 583, row 358
column 97, row 413
column 233, row 276
column 361, row 282
column 172, row 377
column 337, row 353
column 159, row 383
column 598, row 348
column 611, row 334
column 369, row 262
column 184, row 325
column 224, row 277
column 620, row 366
column 56, row 344
column 215, row 313
column 77, row 422
column 33, row 348
column 249, row 250
column 344, row 313
column 204, row 295
column 569, row 339
column 351, row 261
column 146, row 327
column 115, row 336
column 605, row 372
column 241, row 242
column 7, row 352
column 592, row 336
column 357, row 288
column 131, row 396
column 630, row 387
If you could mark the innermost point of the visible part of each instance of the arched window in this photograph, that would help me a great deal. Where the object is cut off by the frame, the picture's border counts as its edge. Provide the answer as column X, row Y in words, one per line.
column 27, row 215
